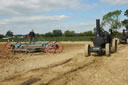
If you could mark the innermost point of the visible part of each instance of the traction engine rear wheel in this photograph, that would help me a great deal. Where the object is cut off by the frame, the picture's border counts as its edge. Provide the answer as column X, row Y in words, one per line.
column 86, row 50
column 107, row 49
column 114, row 45
column 127, row 41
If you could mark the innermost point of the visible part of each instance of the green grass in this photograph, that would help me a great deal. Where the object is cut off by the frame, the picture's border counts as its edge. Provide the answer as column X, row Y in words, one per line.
column 62, row 38
column 77, row 38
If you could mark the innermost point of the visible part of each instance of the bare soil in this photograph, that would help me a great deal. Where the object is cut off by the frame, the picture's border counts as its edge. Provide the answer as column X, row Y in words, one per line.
column 67, row 68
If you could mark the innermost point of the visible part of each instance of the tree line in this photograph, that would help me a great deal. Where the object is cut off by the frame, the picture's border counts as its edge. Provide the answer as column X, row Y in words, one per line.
column 68, row 33
column 55, row 33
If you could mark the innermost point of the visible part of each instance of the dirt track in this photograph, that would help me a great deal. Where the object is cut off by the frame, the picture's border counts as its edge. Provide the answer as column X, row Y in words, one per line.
column 67, row 68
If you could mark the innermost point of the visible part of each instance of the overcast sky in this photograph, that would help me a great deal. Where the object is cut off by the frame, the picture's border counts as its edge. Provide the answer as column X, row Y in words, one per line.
column 21, row 16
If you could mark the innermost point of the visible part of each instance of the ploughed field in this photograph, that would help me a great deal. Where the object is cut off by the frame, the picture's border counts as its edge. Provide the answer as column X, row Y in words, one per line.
column 67, row 68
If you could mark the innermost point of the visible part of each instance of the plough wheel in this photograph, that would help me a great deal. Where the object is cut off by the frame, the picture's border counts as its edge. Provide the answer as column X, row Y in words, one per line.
column 50, row 48
column 8, row 47
column 18, row 43
column 59, row 47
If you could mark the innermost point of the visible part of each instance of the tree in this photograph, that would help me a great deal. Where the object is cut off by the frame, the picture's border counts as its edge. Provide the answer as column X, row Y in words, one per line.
column 69, row 33
column 57, row 33
column 81, row 34
column 125, row 21
column 88, row 33
column 1, row 36
column 37, row 35
column 49, row 34
column 94, row 30
column 111, row 20
column 9, row 33
column 126, row 13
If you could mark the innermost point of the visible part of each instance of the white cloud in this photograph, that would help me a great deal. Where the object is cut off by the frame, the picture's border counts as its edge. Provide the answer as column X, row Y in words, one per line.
column 115, row 2
column 25, row 7
column 17, row 15
column 24, row 29
column 34, row 19
column 79, row 27
column 23, row 24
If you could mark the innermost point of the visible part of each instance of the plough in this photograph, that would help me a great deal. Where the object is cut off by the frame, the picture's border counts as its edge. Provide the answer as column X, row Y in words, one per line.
column 49, row 48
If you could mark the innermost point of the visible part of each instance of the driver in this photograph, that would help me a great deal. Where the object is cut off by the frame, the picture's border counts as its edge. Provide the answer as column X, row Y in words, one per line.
column 32, row 36
column 105, row 35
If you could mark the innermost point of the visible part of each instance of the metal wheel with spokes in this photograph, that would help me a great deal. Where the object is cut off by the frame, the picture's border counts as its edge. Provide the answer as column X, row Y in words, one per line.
column 59, row 47
column 50, row 48
column 8, row 47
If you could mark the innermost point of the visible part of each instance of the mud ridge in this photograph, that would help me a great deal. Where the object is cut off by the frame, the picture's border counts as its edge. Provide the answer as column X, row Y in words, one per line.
column 30, row 81
column 37, row 69
column 53, row 65
column 73, row 69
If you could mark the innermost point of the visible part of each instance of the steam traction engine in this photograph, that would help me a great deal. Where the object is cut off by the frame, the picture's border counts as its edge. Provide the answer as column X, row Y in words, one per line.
column 101, row 46
column 124, row 39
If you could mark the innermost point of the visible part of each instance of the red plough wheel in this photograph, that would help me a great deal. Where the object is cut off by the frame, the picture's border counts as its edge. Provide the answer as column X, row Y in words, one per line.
column 8, row 47
column 50, row 48
column 59, row 47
